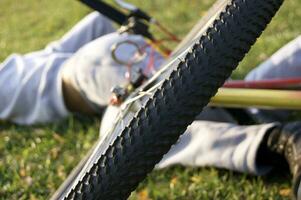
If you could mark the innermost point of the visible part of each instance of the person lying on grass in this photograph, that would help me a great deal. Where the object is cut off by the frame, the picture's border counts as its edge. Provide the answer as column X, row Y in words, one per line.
column 76, row 74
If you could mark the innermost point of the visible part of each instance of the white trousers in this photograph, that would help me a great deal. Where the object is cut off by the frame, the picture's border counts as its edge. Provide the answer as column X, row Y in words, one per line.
column 31, row 84
column 223, row 145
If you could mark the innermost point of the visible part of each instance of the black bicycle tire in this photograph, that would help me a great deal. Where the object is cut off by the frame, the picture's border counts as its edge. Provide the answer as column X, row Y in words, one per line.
column 204, row 22
column 165, row 116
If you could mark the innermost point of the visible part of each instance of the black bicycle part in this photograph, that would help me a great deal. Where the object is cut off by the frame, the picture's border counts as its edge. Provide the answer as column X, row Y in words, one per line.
column 134, row 22
column 107, row 10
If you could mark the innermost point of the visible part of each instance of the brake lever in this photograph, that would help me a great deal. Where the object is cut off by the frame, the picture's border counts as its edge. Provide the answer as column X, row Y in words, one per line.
column 134, row 11
column 126, row 5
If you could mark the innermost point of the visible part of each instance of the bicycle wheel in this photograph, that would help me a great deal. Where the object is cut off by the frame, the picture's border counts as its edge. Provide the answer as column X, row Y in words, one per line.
column 126, row 155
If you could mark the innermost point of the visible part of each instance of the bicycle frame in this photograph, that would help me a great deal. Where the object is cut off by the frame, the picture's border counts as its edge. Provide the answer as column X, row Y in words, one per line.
column 271, row 94
column 283, row 83
column 259, row 98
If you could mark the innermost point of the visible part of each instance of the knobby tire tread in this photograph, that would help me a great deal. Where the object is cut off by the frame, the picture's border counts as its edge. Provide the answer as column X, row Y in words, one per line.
column 158, row 125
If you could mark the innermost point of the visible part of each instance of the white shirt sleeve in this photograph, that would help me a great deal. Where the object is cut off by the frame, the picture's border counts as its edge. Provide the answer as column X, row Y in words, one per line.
column 30, row 88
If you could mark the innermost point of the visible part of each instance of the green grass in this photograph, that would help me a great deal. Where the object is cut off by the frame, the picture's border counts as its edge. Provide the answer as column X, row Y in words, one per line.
column 35, row 160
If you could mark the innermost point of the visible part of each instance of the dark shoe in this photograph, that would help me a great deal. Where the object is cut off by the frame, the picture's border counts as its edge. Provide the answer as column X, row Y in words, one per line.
column 286, row 141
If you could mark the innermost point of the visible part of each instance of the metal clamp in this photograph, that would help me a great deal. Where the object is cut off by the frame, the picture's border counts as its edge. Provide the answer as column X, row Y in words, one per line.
column 136, row 59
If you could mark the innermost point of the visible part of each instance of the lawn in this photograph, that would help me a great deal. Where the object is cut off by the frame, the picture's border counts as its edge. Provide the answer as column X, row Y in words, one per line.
column 35, row 160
